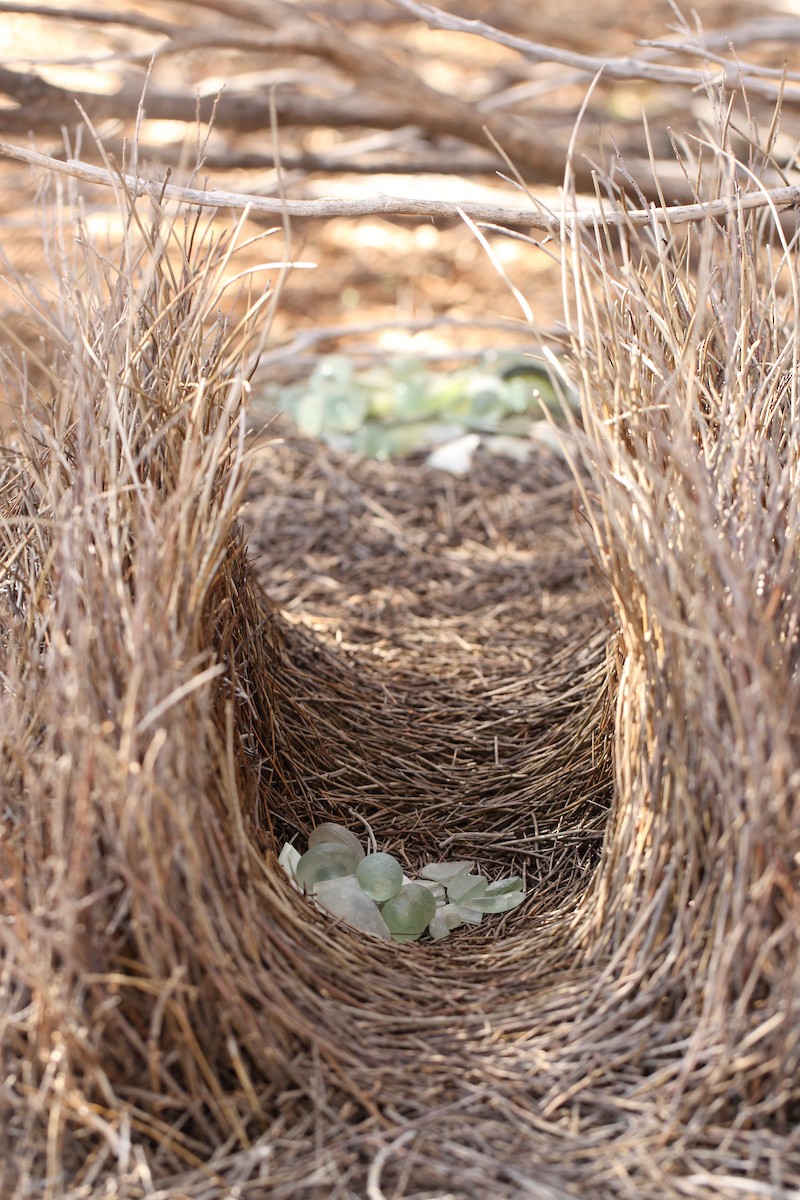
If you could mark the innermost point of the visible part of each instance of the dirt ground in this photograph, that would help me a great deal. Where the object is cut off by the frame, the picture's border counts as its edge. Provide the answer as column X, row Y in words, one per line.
column 410, row 286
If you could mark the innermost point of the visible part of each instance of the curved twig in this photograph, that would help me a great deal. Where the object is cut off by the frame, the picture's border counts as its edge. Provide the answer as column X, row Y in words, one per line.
column 629, row 68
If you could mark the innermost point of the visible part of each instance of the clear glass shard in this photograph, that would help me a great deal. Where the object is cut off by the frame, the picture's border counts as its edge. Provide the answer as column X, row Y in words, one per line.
column 465, row 887
column 441, row 872
column 345, row 899
column 329, row 831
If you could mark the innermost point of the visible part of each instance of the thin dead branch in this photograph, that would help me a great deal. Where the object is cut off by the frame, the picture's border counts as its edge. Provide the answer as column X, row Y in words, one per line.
column 775, row 199
column 369, row 83
column 630, row 68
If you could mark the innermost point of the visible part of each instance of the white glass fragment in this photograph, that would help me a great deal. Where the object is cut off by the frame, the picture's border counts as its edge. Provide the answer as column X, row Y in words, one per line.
column 288, row 858
column 441, row 872
column 455, row 456
column 344, row 898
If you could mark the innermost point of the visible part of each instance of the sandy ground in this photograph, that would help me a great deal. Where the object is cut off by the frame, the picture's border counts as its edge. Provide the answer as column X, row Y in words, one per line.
column 396, row 285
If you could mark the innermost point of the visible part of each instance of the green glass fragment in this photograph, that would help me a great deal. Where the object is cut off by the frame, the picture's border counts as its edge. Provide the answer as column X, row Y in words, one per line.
column 512, row 884
column 329, row 831
column 345, row 899
column 443, row 871
column 464, row 887
column 444, row 922
column 435, row 889
column 410, row 910
column 469, row 915
column 380, row 876
column 499, row 903
column 328, row 860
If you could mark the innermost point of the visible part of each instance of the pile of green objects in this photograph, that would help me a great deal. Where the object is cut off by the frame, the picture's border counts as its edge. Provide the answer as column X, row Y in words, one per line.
column 371, row 892
column 402, row 406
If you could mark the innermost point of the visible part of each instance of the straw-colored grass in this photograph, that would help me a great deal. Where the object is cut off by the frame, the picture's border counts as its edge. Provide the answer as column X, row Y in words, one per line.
column 176, row 1021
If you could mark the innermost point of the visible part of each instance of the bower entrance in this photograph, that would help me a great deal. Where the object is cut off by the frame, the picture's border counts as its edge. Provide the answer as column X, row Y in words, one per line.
column 441, row 672
column 445, row 640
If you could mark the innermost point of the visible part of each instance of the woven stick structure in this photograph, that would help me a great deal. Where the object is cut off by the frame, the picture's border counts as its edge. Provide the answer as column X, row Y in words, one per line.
column 589, row 675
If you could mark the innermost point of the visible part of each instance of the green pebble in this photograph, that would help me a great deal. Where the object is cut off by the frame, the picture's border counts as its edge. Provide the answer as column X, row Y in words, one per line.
column 380, row 876
column 410, row 911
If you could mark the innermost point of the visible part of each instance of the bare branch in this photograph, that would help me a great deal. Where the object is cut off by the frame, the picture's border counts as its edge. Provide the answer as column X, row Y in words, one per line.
column 90, row 16
column 395, row 98
column 748, row 33
column 342, row 79
column 629, row 68
column 414, row 159
column 496, row 215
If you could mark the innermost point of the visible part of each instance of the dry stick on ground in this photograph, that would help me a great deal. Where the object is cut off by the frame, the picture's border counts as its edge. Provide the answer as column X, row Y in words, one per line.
column 492, row 214
column 629, row 68
column 308, row 338
column 306, row 35
column 384, row 93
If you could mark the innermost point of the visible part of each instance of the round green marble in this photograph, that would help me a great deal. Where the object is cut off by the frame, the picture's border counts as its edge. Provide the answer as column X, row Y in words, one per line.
column 410, row 910
column 380, row 876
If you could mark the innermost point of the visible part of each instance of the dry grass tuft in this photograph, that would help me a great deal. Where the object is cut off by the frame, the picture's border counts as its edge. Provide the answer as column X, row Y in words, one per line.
column 688, row 343
column 176, row 1021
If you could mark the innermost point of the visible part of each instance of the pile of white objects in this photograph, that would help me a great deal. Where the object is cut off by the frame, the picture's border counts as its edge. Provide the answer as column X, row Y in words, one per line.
column 371, row 892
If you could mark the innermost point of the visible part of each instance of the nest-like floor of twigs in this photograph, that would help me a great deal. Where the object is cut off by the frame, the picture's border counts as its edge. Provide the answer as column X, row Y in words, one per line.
column 449, row 638
column 443, row 676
